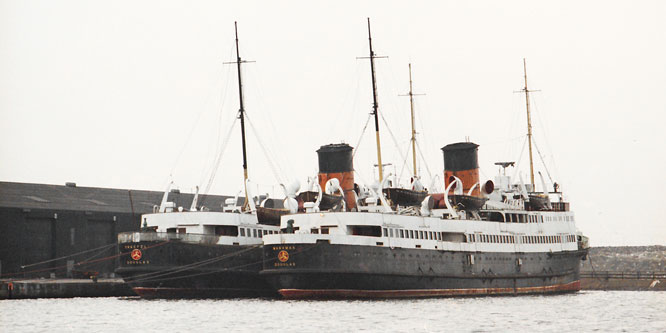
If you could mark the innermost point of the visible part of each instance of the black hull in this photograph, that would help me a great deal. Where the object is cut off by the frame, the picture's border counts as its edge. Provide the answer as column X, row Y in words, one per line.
column 175, row 269
column 467, row 202
column 328, row 201
column 405, row 197
column 344, row 271
column 270, row 216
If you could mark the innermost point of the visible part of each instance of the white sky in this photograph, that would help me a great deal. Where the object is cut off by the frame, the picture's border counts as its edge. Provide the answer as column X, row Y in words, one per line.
column 125, row 93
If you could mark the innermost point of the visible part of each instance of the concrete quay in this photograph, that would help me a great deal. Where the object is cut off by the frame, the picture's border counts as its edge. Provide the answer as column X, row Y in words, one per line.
column 63, row 288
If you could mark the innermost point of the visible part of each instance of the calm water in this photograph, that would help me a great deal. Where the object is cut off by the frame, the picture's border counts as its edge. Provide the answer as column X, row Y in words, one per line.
column 586, row 311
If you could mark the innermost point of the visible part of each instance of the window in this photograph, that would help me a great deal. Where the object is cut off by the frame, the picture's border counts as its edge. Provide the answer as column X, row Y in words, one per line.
column 314, row 231
column 385, row 232
column 420, row 234
column 324, row 231
column 391, row 232
column 411, row 234
column 254, row 232
column 366, row 230
column 265, row 232
column 226, row 230
column 242, row 232
column 402, row 233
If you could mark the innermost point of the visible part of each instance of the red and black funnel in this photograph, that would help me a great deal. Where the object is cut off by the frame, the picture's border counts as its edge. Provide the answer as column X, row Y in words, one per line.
column 461, row 160
column 336, row 161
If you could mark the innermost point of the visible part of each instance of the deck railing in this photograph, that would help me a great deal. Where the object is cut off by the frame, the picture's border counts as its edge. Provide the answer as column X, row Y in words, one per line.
column 126, row 237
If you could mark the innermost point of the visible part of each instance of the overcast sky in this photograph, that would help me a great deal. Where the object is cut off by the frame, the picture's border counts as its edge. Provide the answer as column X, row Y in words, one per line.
column 131, row 94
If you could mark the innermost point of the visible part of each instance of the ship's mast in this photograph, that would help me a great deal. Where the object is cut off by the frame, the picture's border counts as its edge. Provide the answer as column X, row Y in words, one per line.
column 529, row 124
column 375, row 106
column 241, row 115
column 411, row 107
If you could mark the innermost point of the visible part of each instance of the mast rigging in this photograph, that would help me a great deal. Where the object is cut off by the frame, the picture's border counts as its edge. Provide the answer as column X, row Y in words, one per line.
column 241, row 115
column 411, row 95
column 529, row 124
column 375, row 106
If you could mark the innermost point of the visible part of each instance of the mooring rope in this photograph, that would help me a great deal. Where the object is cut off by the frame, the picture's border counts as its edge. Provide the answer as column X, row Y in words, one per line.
column 78, row 264
column 68, row 256
column 151, row 275
column 217, row 270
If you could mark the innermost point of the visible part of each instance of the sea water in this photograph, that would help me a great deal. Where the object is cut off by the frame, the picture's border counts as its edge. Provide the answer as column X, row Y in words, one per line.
column 586, row 311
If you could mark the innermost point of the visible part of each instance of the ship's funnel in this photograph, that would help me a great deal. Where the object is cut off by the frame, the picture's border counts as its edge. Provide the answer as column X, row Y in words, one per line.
column 335, row 161
column 461, row 160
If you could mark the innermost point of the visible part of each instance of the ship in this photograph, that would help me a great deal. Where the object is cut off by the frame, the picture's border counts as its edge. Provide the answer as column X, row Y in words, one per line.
column 198, row 253
column 495, row 238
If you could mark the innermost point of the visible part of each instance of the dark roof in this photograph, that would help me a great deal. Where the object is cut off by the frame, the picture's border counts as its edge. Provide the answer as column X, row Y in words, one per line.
column 97, row 199
column 460, row 146
column 334, row 147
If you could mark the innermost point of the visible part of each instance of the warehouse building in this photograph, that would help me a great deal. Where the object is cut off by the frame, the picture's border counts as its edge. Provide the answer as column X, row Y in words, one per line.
column 71, row 231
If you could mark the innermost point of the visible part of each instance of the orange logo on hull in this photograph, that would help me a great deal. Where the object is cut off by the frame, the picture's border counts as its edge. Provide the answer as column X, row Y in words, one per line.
column 136, row 254
column 283, row 256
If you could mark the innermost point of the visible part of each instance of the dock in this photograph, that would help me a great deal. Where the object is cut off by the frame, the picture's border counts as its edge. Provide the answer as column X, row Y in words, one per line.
column 115, row 287
column 623, row 280
column 64, row 288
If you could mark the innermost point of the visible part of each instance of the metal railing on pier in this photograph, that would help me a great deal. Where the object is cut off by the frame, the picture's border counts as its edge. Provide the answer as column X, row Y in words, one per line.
column 636, row 275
